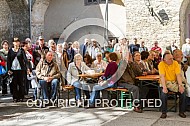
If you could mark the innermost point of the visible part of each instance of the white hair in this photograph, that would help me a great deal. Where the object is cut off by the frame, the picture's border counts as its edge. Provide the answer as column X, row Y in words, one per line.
column 78, row 55
column 50, row 42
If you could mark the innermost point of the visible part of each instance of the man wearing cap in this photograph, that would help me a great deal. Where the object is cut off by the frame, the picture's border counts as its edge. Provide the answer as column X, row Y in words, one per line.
column 94, row 49
column 71, row 52
column 40, row 51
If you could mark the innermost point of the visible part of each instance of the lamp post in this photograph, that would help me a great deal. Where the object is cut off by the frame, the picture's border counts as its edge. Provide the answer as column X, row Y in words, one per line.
column 30, row 14
column 147, row 3
column 106, row 25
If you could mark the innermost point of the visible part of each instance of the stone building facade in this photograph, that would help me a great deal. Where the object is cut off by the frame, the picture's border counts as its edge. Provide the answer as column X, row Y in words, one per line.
column 14, row 19
column 161, row 20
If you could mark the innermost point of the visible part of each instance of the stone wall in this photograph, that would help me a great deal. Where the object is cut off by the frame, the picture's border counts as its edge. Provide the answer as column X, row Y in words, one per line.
column 14, row 19
column 20, row 18
column 38, row 13
column 141, row 23
column 5, row 21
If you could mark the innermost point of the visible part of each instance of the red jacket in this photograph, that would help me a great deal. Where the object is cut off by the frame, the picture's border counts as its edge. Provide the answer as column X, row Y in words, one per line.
column 2, row 62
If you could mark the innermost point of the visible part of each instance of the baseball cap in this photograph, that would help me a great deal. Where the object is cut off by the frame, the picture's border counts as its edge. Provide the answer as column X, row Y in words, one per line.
column 41, row 38
column 15, row 39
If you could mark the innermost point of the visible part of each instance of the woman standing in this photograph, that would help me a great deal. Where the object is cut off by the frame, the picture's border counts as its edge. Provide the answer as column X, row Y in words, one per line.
column 65, row 54
column 61, row 64
column 3, row 54
column 27, row 83
column 17, row 65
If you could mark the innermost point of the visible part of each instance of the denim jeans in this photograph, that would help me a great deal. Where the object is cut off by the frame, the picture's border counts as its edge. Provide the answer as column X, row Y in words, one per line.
column 35, row 94
column 182, row 101
column 96, row 92
column 44, row 88
column 78, row 86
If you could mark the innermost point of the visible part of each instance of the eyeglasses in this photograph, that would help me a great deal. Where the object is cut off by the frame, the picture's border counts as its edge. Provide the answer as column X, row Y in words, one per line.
column 78, row 59
column 137, row 55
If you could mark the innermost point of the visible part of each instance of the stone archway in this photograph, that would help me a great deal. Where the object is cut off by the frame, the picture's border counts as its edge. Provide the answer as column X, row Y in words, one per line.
column 183, row 21
column 90, row 22
column 5, row 21
column 38, row 12
column 19, row 18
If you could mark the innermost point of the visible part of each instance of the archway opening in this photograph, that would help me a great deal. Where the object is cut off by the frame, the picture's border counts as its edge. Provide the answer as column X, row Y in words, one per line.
column 184, row 21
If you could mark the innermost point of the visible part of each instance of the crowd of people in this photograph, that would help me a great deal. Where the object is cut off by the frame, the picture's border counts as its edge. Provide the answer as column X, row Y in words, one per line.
column 49, row 65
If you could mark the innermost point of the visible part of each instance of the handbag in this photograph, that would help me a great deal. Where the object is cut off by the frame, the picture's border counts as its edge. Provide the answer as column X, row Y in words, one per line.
column 102, row 82
column 106, row 82
column 172, row 86
column 2, row 70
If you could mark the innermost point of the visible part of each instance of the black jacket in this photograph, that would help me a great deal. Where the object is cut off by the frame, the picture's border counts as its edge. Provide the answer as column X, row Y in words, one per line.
column 39, row 53
column 21, row 56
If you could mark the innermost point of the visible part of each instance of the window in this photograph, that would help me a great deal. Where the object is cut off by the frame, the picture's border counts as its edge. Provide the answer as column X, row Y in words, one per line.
column 104, row 1
column 90, row 2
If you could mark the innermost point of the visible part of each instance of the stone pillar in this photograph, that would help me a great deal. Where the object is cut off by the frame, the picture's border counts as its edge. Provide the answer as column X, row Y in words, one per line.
column 20, row 18
column 38, row 13
column 6, row 31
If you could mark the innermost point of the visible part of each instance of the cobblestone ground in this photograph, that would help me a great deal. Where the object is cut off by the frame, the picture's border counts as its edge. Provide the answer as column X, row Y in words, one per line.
column 13, row 114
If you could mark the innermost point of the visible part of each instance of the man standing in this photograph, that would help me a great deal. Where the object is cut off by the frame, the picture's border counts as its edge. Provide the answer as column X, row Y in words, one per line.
column 83, row 47
column 170, row 79
column 135, row 46
column 143, row 48
column 186, row 50
column 47, row 72
column 40, row 51
column 70, row 52
column 156, row 47
column 172, row 47
column 94, row 49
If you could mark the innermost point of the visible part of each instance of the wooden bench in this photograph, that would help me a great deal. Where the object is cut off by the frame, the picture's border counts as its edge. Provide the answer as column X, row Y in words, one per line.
column 120, row 92
column 173, row 95
column 68, row 88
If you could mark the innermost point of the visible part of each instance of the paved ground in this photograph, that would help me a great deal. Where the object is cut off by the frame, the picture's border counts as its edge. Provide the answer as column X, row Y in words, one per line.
column 17, row 114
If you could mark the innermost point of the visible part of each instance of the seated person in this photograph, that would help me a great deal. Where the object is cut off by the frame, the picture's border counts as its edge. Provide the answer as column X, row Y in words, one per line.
column 47, row 72
column 76, row 68
column 137, row 62
column 88, row 60
column 170, row 79
column 99, row 64
column 144, row 61
column 127, row 73
column 157, row 59
column 106, row 56
column 151, row 62
column 110, row 70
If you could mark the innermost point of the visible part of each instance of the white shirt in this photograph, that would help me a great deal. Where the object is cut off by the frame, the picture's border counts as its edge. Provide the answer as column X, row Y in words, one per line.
column 102, row 64
column 15, row 64
column 28, row 55
column 186, row 51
